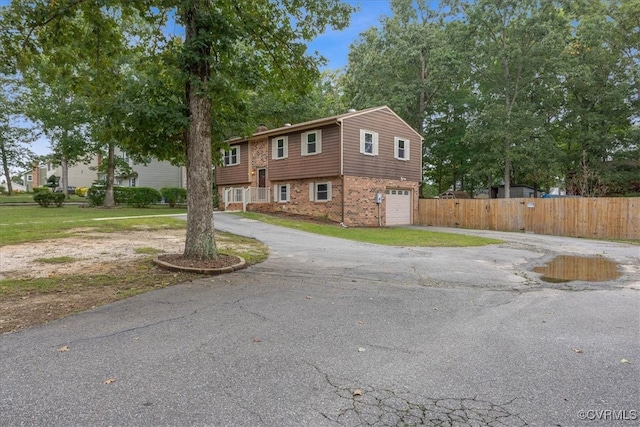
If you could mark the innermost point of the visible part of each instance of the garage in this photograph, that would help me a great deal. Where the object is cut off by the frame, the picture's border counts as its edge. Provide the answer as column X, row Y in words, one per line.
column 398, row 207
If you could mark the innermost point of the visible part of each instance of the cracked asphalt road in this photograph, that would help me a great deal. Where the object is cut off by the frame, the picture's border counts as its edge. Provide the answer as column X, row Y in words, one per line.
column 329, row 332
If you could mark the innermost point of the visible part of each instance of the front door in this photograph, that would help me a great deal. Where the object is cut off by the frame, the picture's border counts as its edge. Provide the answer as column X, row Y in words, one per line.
column 262, row 178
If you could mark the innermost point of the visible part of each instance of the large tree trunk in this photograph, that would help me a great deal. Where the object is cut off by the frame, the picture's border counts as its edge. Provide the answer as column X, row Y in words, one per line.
column 109, row 198
column 64, row 179
column 507, row 176
column 5, row 168
column 200, row 241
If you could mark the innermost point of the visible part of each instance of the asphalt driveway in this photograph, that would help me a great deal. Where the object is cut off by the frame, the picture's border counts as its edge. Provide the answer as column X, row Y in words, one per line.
column 329, row 332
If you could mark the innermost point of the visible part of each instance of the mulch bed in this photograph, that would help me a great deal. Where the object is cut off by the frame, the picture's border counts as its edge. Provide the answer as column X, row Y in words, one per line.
column 221, row 262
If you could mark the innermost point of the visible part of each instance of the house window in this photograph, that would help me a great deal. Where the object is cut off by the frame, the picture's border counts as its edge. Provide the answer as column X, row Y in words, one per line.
column 311, row 143
column 401, row 148
column 281, row 192
column 132, row 182
column 280, row 146
column 320, row 191
column 232, row 156
column 368, row 142
column 29, row 178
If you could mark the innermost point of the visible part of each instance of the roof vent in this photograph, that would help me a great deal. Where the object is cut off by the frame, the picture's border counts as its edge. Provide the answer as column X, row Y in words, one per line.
column 352, row 110
column 287, row 125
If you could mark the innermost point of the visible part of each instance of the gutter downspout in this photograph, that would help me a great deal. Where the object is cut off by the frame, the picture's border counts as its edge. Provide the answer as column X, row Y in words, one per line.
column 339, row 123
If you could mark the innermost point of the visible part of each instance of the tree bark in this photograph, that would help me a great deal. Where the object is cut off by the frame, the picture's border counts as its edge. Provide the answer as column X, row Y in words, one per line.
column 5, row 167
column 507, row 172
column 64, row 179
column 200, row 241
column 109, row 199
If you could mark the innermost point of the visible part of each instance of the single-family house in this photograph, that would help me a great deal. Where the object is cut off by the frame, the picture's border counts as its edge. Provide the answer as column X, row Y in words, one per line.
column 36, row 177
column 155, row 174
column 361, row 168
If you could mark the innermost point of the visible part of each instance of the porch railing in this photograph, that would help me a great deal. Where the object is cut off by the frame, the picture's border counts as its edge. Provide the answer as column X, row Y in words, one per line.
column 246, row 196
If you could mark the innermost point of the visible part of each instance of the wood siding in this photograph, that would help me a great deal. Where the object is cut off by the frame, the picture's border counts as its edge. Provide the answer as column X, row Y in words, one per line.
column 297, row 166
column 236, row 174
column 384, row 165
column 157, row 174
column 606, row 218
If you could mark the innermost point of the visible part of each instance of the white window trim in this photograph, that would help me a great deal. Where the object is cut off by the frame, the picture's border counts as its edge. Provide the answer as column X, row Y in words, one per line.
column 276, row 193
column 313, row 191
column 274, row 147
column 224, row 155
column 29, row 178
column 374, row 137
column 305, row 145
column 396, row 148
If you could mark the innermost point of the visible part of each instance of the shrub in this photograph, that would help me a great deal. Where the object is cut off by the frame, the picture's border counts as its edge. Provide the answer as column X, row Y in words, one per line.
column 37, row 190
column 81, row 191
column 137, row 197
column 141, row 197
column 46, row 198
column 95, row 195
column 174, row 195
column 2, row 189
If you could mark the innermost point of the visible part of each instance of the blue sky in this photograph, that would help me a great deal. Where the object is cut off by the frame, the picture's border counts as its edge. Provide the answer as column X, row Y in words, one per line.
column 334, row 45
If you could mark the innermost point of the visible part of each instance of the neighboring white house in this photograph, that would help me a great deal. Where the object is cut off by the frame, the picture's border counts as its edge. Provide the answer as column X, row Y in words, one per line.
column 156, row 174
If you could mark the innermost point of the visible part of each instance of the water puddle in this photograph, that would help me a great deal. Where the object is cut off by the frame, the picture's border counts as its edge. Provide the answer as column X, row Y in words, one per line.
column 565, row 268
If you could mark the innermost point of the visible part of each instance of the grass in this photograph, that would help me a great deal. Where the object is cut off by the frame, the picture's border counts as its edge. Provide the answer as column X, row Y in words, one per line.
column 28, row 198
column 395, row 236
column 21, row 224
column 148, row 251
column 129, row 278
column 57, row 260
column 25, row 224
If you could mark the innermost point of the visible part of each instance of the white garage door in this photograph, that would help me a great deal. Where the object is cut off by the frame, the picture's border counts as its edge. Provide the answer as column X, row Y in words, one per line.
column 398, row 207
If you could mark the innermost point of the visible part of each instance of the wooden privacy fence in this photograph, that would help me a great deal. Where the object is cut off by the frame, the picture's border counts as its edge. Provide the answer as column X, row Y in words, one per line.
column 606, row 217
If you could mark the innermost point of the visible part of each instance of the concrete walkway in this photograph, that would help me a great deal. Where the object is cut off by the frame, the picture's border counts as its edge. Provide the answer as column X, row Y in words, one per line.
column 333, row 332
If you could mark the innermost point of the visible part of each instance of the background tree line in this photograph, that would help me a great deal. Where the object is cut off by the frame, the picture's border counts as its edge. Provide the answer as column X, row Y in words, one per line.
column 537, row 92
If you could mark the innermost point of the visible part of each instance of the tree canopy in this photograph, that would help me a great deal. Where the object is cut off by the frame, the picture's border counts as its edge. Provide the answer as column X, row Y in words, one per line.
column 543, row 93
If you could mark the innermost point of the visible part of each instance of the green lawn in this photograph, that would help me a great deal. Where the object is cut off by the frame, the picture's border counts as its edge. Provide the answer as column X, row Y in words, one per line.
column 28, row 198
column 20, row 224
column 395, row 236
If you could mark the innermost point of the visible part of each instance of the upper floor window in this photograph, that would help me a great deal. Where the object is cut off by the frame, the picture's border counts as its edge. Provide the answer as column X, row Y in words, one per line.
column 368, row 142
column 311, row 143
column 280, row 147
column 401, row 148
column 232, row 156
column 29, row 178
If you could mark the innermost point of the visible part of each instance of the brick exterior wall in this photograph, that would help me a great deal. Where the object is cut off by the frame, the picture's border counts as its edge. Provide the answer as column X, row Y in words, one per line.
column 360, row 207
column 259, row 155
column 300, row 204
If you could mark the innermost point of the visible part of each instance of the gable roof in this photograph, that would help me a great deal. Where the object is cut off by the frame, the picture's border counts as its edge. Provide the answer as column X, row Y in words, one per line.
column 322, row 122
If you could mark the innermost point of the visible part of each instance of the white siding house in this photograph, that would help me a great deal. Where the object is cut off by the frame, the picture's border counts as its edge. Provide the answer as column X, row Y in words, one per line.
column 156, row 174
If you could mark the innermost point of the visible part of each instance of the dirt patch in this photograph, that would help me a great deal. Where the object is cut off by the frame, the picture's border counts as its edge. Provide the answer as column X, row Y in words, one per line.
column 89, row 253
column 89, row 271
